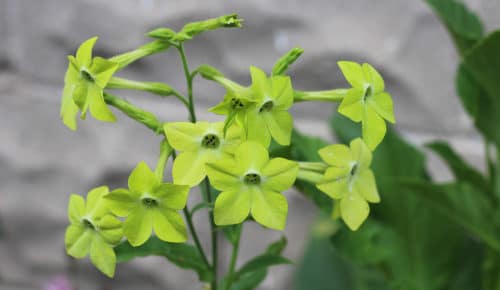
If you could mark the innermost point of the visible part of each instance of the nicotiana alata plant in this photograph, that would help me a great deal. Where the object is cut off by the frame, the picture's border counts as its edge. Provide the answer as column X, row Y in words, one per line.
column 236, row 162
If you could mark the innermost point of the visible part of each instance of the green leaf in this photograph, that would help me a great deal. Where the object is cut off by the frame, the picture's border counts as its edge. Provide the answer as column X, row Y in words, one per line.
column 261, row 262
column 183, row 255
column 250, row 280
column 464, row 25
column 461, row 169
column 490, row 270
column 277, row 247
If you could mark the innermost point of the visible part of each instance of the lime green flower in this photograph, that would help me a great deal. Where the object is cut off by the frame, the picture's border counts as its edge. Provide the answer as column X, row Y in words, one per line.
column 84, row 83
column 150, row 205
column 262, row 109
column 199, row 143
column 366, row 101
column 251, row 183
column 350, row 180
column 93, row 230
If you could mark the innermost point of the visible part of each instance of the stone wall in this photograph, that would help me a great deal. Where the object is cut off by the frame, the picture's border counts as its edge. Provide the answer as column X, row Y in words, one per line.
column 41, row 161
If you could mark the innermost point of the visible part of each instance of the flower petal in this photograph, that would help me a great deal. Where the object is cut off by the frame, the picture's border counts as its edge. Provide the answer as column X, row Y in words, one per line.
column 361, row 153
column 337, row 155
column 335, row 183
column 138, row 226
column 169, row 226
column 103, row 256
column 76, row 208
column 172, row 196
column 353, row 73
column 189, row 168
column 373, row 128
column 354, row 210
column 256, row 128
column 102, row 70
column 251, row 155
column 77, row 240
column 279, row 174
column 122, row 201
column 84, row 52
column 352, row 105
column 69, row 110
column 260, row 83
column 280, row 125
column 224, row 174
column 95, row 203
column 382, row 104
column 366, row 186
column 97, row 105
column 232, row 207
column 373, row 77
column 185, row 136
column 111, row 229
column 142, row 179
column 282, row 92
column 269, row 209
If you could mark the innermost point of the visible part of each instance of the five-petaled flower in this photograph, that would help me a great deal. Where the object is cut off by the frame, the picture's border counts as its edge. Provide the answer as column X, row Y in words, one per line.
column 350, row 180
column 199, row 143
column 261, row 109
column 93, row 229
column 366, row 101
column 84, row 83
column 149, row 204
column 251, row 184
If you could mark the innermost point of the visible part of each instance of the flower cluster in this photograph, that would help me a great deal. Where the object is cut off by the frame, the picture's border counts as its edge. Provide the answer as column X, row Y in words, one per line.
column 232, row 157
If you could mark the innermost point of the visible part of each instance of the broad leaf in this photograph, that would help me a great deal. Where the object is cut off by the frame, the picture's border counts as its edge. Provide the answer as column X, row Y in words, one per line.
column 183, row 255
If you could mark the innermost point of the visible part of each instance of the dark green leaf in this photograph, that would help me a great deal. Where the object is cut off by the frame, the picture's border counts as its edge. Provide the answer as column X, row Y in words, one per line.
column 277, row 247
column 463, row 24
column 491, row 268
column 183, row 255
column 458, row 166
column 249, row 281
column 262, row 262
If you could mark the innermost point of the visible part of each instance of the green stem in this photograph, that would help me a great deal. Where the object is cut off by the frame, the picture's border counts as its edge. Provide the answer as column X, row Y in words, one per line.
column 140, row 115
column 336, row 95
column 318, row 167
column 165, row 151
column 496, row 178
column 309, row 176
column 234, row 257
column 208, row 198
column 127, row 58
column 156, row 88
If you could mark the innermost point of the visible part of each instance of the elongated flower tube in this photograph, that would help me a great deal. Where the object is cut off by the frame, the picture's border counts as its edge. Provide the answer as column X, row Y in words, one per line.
column 84, row 83
column 199, row 143
column 367, row 101
column 148, row 204
column 251, row 184
column 350, row 180
column 93, row 229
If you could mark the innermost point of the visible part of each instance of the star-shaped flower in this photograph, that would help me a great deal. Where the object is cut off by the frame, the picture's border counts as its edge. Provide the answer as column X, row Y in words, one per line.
column 251, row 184
column 84, row 83
column 262, row 109
column 199, row 143
column 150, row 205
column 350, row 180
column 93, row 230
column 366, row 101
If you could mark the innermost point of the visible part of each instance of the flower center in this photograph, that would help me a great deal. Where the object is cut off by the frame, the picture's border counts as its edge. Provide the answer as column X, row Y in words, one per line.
column 268, row 106
column 86, row 75
column 210, row 141
column 149, row 202
column 354, row 169
column 368, row 92
column 88, row 224
column 252, row 179
column 237, row 104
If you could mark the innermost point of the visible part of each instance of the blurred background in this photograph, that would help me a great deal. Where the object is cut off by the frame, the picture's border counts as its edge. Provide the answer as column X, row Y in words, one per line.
column 41, row 161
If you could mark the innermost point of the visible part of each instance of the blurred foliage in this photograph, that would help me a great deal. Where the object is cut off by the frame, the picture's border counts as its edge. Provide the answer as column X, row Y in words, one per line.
column 423, row 235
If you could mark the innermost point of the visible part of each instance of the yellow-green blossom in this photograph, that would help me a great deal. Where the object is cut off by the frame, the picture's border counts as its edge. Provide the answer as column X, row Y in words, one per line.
column 84, row 83
column 93, row 229
column 366, row 101
column 251, row 184
column 199, row 143
column 150, row 205
column 350, row 180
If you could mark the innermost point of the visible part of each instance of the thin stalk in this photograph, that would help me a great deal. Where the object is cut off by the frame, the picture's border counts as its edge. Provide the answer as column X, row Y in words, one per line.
column 309, row 176
column 496, row 178
column 208, row 198
column 165, row 151
column 336, row 95
column 234, row 258
column 319, row 167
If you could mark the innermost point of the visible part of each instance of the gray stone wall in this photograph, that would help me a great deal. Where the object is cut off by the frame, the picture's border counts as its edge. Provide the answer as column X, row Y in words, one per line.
column 41, row 161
